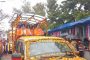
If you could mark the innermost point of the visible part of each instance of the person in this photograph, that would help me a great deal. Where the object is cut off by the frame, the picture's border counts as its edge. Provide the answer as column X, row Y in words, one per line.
column 86, row 43
column 38, row 30
column 74, row 43
column 81, row 48
column 77, row 45
column 0, row 49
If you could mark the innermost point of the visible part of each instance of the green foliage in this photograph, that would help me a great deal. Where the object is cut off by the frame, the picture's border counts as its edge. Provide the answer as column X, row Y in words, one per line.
column 81, row 14
column 69, row 10
column 39, row 9
column 75, row 9
column 53, row 12
column 54, row 25
column 17, row 10
column 26, row 8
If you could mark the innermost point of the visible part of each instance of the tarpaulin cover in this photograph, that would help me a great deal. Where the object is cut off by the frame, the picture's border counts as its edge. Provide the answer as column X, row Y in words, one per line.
column 71, row 24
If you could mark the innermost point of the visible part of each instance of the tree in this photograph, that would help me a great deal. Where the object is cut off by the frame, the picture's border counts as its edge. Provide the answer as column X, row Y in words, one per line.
column 18, row 11
column 53, row 12
column 75, row 9
column 26, row 8
column 3, row 15
column 69, row 10
column 39, row 9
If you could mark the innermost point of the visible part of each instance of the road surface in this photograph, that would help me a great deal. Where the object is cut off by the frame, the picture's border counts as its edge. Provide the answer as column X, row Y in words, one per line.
column 6, row 57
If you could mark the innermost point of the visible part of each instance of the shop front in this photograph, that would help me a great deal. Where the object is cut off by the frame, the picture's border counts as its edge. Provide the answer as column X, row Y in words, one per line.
column 77, row 30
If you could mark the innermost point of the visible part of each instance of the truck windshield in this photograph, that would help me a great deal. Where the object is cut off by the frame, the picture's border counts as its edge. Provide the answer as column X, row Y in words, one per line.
column 41, row 48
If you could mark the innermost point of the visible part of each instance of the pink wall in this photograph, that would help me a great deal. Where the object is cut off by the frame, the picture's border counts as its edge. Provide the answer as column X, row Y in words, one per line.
column 88, row 31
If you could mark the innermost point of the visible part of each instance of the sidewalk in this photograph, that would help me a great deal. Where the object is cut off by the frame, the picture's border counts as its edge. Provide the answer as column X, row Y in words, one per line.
column 87, row 55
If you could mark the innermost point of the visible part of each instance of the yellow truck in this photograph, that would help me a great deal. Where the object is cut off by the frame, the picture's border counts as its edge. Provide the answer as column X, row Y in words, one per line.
column 29, row 42
column 45, row 48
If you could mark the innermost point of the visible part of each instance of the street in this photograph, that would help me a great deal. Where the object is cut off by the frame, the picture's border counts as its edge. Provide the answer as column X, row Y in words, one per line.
column 87, row 55
column 8, row 56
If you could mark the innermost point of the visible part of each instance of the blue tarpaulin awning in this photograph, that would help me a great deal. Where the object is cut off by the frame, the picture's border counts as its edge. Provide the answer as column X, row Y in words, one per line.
column 71, row 24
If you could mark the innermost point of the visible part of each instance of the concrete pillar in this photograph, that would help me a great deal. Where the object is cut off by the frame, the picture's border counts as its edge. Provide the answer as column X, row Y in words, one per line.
column 84, row 35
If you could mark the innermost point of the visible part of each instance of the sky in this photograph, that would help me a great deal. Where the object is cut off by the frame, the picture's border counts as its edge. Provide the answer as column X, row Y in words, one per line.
column 8, row 5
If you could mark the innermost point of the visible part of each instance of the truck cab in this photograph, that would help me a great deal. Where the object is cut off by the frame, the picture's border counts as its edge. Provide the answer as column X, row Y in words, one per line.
column 45, row 48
